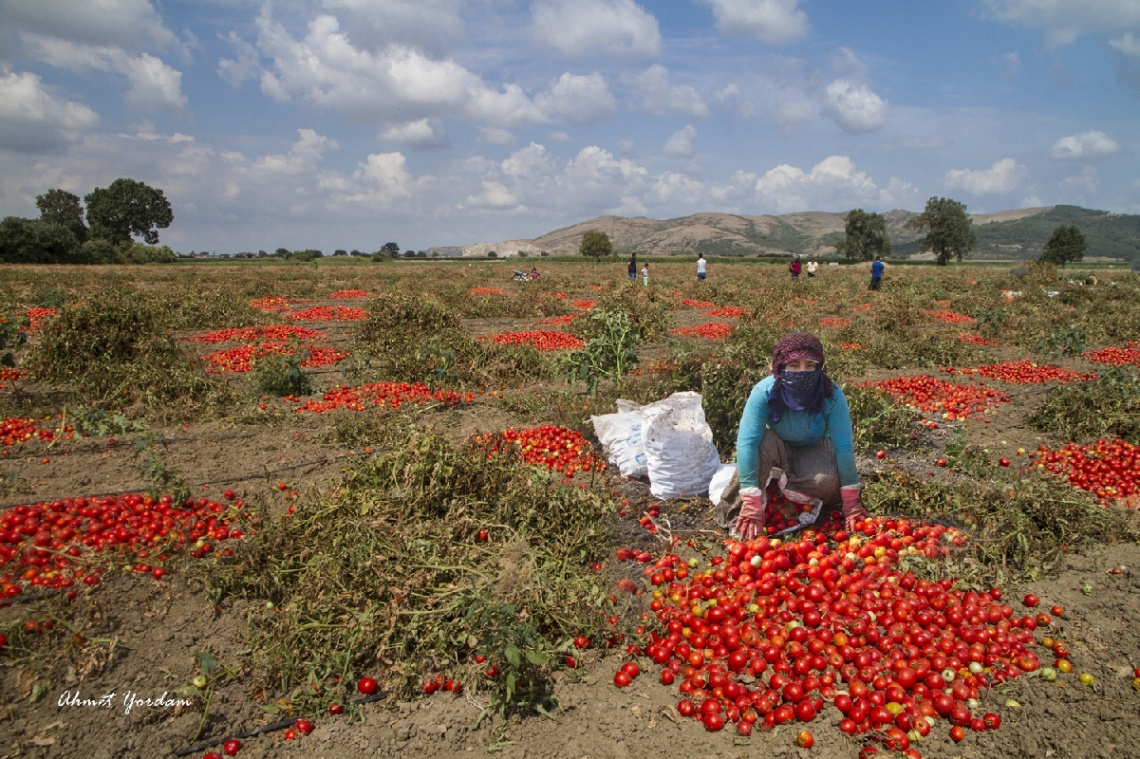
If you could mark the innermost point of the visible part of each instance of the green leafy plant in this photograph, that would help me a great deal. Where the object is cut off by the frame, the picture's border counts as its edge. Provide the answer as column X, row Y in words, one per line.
column 98, row 422
column 1064, row 341
column 512, row 644
column 610, row 354
column 151, row 449
column 1108, row 406
column 12, row 337
column 439, row 366
column 280, row 373
column 990, row 321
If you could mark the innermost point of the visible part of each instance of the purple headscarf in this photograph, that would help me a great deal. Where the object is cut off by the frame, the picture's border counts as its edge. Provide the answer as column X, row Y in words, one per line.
column 798, row 391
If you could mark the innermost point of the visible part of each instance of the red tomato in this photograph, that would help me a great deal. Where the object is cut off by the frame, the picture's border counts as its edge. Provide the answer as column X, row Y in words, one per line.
column 805, row 739
column 231, row 747
column 1031, row 600
column 367, row 686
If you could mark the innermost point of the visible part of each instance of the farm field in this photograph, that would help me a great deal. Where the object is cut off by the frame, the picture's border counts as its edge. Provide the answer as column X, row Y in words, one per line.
column 366, row 496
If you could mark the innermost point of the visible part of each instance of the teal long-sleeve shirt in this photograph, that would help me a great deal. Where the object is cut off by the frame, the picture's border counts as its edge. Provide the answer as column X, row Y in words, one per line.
column 796, row 428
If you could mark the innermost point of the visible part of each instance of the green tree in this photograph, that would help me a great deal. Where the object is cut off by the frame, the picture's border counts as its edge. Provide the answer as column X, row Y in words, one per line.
column 949, row 229
column 392, row 249
column 34, row 241
column 597, row 244
column 63, row 208
column 866, row 236
column 1066, row 244
column 128, row 208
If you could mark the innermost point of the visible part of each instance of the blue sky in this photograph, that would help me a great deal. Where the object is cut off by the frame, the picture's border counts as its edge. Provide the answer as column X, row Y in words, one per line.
column 350, row 123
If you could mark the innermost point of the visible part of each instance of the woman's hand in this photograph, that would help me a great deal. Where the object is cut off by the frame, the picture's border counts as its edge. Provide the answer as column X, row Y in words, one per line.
column 750, row 523
column 853, row 511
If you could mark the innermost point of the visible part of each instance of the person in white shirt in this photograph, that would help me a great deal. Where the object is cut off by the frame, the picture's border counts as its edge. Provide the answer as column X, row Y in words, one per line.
column 812, row 268
column 702, row 267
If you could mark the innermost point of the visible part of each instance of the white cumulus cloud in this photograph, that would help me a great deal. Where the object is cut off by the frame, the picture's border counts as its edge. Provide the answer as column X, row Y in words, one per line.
column 771, row 21
column 131, row 25
column 680, row 145
column 373, row 88
column 576, row 99
column 1002, row 176
column 1127, row 44
column 1063, row 21
column 494, row 195
column 658, row 95
column 34, row 119
column 422, row 23
column 855, row 107
column 423, row 133
column 584, row 27
column 834, row 182
column 1091, row 144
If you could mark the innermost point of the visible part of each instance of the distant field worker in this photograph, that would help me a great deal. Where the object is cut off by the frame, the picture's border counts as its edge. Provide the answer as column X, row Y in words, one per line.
column 877, row 267
column 632, row 269
column 812, row 268
column 794, row 267
column 796, row 423
column 702, row 267
column 645, row 274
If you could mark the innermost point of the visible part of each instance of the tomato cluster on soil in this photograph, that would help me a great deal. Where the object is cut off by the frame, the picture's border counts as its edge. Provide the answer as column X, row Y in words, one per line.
column 771, row 632
column 254, row 334
column 692, row 303
column 328, row 314
column 950, row 317
column 970, row 337
column 349, row 294
column 732, row 312
column 37, row 316
column 391, row 395
column 241, row 358
column 273, row 303
column 935, row 396
column 53, row 544
column 15, row 430
column 834, row 322
column 539, row 339
column 551, row 446
column 1108, row 468
column 1024, row 373
column 1116, row 356
column 708, row 330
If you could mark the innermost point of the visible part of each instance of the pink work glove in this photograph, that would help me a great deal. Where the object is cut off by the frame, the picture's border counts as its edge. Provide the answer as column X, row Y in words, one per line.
column 853, row 511
column 750, row 523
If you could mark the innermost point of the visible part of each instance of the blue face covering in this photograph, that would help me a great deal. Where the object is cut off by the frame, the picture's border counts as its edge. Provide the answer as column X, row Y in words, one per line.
column 798, row 391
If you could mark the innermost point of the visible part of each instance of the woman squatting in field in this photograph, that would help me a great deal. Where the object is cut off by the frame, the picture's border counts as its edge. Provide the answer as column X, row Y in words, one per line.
column 796, row 423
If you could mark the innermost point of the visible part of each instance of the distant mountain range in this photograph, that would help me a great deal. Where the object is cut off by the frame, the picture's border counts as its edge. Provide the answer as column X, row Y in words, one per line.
column 1008, row 235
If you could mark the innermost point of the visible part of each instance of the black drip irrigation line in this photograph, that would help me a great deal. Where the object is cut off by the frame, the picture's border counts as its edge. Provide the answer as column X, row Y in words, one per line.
column 120, row 443
column 285, row 723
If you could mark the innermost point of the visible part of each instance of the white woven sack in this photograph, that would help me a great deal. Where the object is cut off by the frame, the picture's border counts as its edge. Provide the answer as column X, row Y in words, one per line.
column 680, row 454
column 621, row 435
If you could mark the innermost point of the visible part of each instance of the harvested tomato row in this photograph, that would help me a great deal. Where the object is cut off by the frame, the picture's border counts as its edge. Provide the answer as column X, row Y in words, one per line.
column 559, row 321
column 37, row 315
column 735, row 312
column 950, row 317
column 23, row 429
column 585, row 305
column 41, row 544
column 487, row 291
column 253, row 334
column 1116, row 356
column 834, row 322
column 1024, row 373
column 698, row 303
column 275, row 303
column 553, row 447
column 383, row 395
column 349, row 294
column 240, row 359
column 938, row 396
column 970, row 337
column 768, row 635
column 708, row 330
column 540, row 339
column 851, row 346
column 328, row 314
column 1108, row 468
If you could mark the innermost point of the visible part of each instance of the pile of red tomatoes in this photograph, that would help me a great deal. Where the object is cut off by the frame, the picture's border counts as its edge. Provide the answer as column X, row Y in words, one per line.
column 933, row 395
column 254, row 334
column 241, row 359
column 1117, row 356
column 834, row 322
column 691, row 303
column 733, row 312
column 970, row 337
column 585, row 305
column 550, row 446
column 274, row 303
column 23, row 429
column 559, row 321
column 950, row 317
column 708, row 330
column 50, row 544
column 1108, row 468
column 328, row 314
column 383, row 395
column 1024, row 373
column 349, row 294
column 776, row 633
column 37, row 316
column 539, row 339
